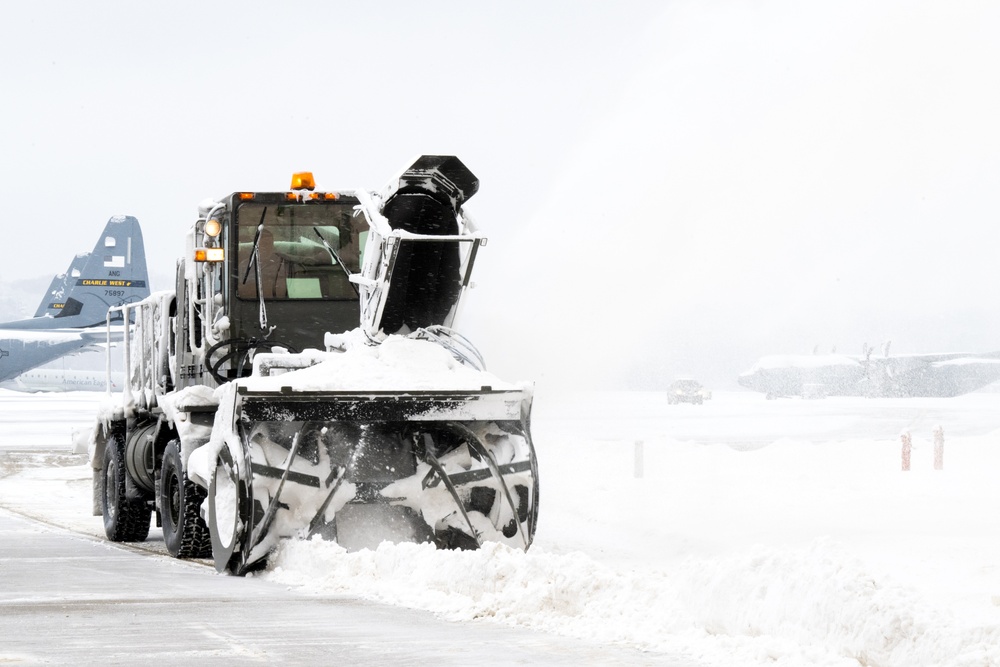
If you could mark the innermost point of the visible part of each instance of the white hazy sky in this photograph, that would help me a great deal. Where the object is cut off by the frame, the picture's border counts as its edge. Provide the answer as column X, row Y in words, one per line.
column 683, row 186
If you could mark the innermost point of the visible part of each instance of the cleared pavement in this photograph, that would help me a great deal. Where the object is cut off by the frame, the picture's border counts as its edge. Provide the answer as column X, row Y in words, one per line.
column 70, row 599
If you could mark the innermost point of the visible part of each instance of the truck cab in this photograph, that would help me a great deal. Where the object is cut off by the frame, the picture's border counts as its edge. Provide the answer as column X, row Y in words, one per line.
column 271, row 270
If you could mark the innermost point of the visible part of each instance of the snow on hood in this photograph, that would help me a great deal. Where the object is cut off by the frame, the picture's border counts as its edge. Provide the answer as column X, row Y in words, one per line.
column 397, row 364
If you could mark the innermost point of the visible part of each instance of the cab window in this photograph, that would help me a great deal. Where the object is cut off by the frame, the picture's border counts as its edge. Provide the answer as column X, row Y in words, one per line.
column 299, row 250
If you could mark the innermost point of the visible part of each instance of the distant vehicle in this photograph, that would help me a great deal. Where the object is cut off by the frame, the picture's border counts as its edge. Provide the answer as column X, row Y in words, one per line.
column 73, row 312
column 907, row 375
column 687, row 391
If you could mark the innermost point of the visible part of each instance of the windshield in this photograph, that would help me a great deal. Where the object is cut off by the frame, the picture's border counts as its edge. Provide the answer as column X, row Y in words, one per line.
column 300, row 249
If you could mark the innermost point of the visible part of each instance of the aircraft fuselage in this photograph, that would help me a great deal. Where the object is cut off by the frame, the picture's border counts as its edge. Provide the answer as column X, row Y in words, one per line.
column 917, row 375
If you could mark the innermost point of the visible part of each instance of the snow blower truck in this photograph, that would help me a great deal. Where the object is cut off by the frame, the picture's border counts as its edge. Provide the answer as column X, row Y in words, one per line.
column 246, row 418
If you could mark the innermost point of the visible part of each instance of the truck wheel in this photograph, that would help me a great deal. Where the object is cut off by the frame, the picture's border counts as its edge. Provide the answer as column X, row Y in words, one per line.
column 125, row 519
column 184, row 531
column 228, row 500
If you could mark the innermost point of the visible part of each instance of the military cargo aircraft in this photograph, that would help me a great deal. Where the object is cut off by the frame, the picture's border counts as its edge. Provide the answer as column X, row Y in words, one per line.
column 76, row 306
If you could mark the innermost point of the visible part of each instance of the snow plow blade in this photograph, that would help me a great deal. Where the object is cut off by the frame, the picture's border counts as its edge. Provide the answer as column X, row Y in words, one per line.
column 453, row 468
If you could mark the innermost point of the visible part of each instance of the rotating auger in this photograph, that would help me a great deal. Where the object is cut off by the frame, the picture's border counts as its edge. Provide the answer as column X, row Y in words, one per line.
column 360, row 481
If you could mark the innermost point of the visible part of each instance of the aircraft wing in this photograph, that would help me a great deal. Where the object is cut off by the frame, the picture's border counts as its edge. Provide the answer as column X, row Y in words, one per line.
column 21, row 351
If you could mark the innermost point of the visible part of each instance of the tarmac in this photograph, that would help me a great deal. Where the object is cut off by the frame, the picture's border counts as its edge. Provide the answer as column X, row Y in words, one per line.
column 67, row 598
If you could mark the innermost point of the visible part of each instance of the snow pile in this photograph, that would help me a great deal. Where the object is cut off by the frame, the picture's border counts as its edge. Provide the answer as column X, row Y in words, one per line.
column 816, row 605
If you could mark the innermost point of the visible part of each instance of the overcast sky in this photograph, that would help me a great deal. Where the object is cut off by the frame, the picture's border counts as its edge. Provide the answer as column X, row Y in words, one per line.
column 679, row 187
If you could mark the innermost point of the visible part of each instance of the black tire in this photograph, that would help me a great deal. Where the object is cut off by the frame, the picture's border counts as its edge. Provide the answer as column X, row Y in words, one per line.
column 184, row 531
column 125, row 519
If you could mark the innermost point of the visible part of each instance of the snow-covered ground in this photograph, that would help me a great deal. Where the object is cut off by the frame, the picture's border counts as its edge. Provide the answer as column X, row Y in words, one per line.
column 739, row 532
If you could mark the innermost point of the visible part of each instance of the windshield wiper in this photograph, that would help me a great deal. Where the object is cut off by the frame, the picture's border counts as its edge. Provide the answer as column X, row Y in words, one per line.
column 255, row 264
column 253, row 252
column 336, row 259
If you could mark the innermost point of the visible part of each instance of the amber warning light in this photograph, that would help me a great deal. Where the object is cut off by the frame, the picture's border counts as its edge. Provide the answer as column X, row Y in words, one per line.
column 209, row 254
column 303, row 180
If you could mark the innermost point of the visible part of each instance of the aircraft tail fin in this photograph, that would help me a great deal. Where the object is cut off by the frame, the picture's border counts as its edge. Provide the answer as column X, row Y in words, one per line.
column 55, row 297
column 112, row 275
